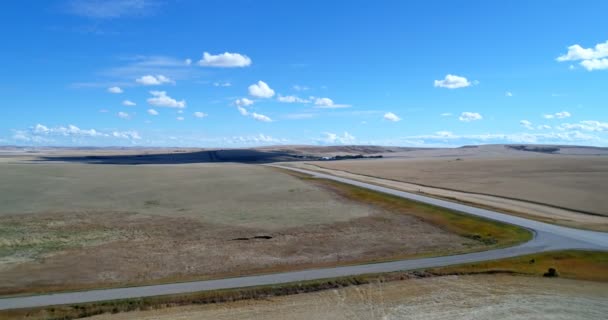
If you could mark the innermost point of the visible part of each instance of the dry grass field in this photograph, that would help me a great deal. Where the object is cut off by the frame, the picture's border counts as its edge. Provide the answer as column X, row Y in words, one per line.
column 572, row 182
column 453, row 297
column 67, row 226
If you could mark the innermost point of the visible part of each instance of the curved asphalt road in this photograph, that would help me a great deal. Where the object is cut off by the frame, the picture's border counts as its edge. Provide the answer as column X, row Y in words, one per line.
column 547, row 238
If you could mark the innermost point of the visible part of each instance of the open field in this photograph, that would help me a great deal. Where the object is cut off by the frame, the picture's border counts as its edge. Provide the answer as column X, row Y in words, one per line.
column 558, row 189
column 75, row 226
column 577, row 183
column 453, row 297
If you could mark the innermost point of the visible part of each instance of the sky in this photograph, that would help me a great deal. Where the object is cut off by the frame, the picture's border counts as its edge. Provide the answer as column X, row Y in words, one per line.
column 187, row 73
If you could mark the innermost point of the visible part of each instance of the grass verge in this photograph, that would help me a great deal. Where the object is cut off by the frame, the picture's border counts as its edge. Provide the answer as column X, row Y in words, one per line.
column 491, row 233
column 76, row 311
column 571, row 264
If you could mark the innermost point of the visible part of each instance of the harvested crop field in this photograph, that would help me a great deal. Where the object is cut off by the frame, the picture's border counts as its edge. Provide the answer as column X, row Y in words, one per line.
column 572, row 182
column 72, row 226
column 452, row 297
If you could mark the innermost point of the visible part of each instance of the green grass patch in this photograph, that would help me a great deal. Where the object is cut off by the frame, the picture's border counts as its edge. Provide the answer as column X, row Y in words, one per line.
column 489, row 232
column 571, row 264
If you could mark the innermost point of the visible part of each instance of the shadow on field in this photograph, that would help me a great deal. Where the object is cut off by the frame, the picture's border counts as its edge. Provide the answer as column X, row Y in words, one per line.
column 242, row 156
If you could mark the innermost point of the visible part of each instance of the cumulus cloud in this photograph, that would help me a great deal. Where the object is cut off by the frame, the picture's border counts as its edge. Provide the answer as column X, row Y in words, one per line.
column 452, row 82
column 224, row 60
column 261, row 90
column 128, row 103
column 152, row 112
column 243, row 102
column 527, row 124
column 327, row 103
column 470, row 116
column 180, row 118
column 558, row 115
column 591, row 58
column 150, row 80
column 508, row 94
column 161, row 99
column 188, row 62
column 115, row 90
column 123, row 115
column 333, row 138
column 577, row 52
column 391, row 117
column 292, row 99
column 199, row 114
column 595, row 64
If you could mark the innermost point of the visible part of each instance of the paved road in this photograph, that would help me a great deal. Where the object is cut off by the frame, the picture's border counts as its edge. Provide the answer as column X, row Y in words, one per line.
column 547, row 238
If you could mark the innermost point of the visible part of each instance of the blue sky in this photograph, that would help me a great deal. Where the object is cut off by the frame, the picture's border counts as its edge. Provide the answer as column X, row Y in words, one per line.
column 431, row 73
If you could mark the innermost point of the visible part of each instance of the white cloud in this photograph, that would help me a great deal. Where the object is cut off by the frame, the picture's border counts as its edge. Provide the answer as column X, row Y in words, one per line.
column 558, row 115
column 225, row 60
column 199, row 114
column 161, row 99
column 587, row 125
column 180, row 118
column 243, row 111
column 123, row 115
column 70, row 130
column 222, row 84
column 256, row 116
column 543, row 127
column 592, row 58
column 150, row 80
column 508, row 94
column 131, row 135
column 527, row 124
column 261, row 90
column 595, row 64
column 327, row 103
column 115, row 90
column 60, row 135
column 332, row 138
column 180, row 111
column 243, row 102
column 452, row 82
column 260, row 117
column 300, row 88
column 292, row 99
column 470, row 116
column 391, row 117
column 128, row 103
column 188, row 62
column 576, row 52
column 446, row 114
column 255, row 139
column 152, row 112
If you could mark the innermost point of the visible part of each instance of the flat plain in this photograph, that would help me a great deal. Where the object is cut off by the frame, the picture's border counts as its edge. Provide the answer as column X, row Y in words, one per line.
column 73, row 226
